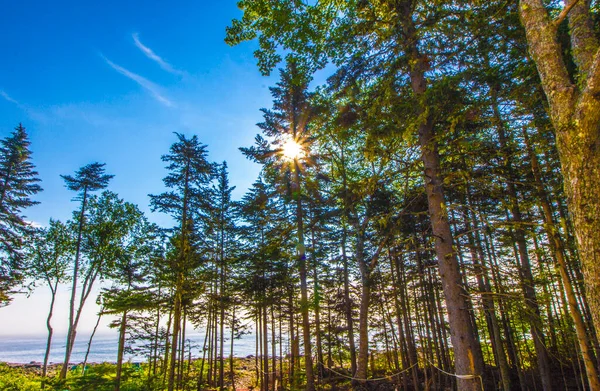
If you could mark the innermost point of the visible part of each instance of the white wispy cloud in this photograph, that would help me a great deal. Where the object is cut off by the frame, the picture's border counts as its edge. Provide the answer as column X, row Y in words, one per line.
column 146, row 84
column 10, row 99
column 154, row 57
column 33, row 113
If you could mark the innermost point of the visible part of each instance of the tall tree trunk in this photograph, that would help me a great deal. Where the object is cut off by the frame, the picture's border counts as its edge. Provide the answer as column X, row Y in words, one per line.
column 292, row 339
column 121, row 350
column 222, row 278
column 558, row 249
column 175, row 337
column 181, row 264
column 72, row 329
column 50, row 332
column 89, row 345
column 348, row 303
column 400, row 298
column 156, row 335
column 273, row 349
column 317, row 304
column 265, row 348
column 363, row 324
column 257, row 342
column 575, row 114
column 204, row 348
column 182, row 347
column 164, row 366
column 308, row 362
column 468, row 359
column 534, row 313
column 365, row 266
column 231, row 372
column 513, row 353
column 489, row 307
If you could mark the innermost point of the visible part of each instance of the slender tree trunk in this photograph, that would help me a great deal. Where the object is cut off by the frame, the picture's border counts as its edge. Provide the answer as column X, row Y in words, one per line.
column 363, row 324
column 347, row 301
column 215, row 344
column 365, row 267
column 222, row 348
column 259, row 348
column 222, row 307
column 89, row 345
column 204, row 348
column 181, row 265
column 348, row 304
column 528, row 287
column 121, row 350
column 273, row 349
column 182, row 347
column 281, row 359
column 265, row 347
column 231, row 371
column 175, row 335
column 513, row 353
column 317, row 303
column 468, row 359
column 156, row 335
column 308, row 362
column 292, row 339
column 210, row 330
column 489, row 307
column 558, row 250
column 72, row 329
column 404, row 324
column 50, row 332
column 165, row 364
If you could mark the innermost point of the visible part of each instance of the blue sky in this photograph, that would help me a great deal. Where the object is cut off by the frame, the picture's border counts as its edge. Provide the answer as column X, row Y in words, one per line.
column 111, row 81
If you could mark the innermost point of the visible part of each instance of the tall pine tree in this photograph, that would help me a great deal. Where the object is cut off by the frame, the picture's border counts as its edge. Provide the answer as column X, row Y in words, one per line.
column 18, row 182
column 189, row 176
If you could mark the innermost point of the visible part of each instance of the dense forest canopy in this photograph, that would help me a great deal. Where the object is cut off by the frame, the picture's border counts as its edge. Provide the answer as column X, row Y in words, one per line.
column 427, row 218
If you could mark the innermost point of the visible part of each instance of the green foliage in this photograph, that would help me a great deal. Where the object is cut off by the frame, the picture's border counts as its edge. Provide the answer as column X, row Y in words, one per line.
column 18, row 182
column 97, row 377
column 18, row 379
column 88, row 178
column 50, row 254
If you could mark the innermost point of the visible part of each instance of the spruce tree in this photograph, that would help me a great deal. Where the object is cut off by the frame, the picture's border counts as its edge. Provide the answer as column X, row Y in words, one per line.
column 223, row 227
column 189, row 176
column 289, row 124
column 18, row 182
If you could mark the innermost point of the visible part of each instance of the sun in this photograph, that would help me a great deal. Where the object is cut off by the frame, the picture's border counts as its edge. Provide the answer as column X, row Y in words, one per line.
column 292, row 150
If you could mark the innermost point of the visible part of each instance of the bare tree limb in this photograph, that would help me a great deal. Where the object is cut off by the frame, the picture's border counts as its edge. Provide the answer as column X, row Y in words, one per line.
column 564, row 13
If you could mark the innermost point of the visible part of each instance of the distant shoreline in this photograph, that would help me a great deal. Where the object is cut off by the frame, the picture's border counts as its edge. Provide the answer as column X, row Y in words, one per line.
column 39, row 364
column 53, row 365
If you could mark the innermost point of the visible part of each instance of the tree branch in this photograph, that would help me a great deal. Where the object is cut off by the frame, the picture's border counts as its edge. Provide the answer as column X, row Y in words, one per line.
column 375, row 257
column 547, row 55
column 564, row 13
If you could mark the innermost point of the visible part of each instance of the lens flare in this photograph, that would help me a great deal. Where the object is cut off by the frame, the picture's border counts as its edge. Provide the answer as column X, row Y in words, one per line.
column 292, row 150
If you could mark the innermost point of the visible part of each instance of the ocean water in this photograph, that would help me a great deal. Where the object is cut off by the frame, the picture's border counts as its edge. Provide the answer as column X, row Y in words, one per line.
column 26, row 349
